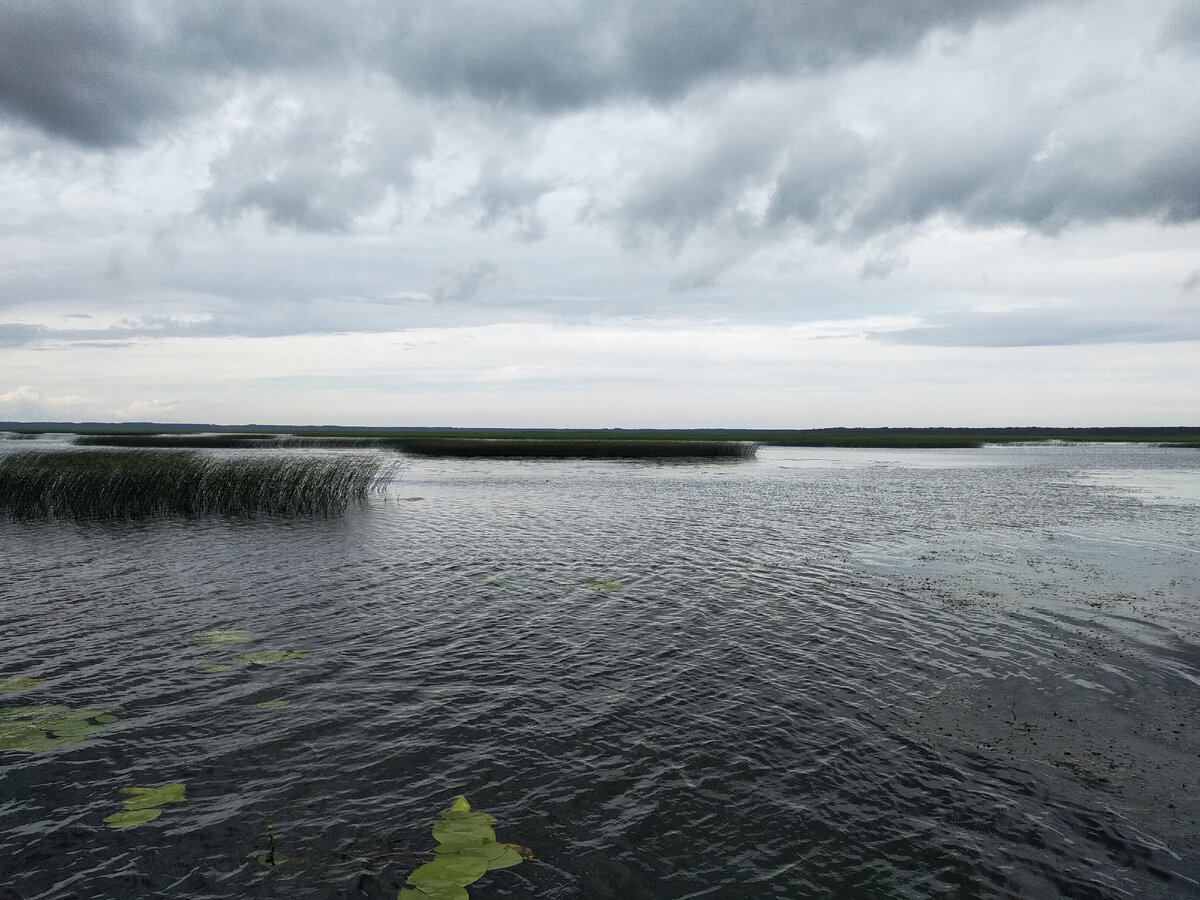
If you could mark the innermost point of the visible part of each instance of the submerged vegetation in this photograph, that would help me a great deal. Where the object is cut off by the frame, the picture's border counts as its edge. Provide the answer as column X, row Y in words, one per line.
column 126, row 484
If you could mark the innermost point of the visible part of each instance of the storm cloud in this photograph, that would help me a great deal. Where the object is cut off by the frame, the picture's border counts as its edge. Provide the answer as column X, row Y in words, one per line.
column 938, row 174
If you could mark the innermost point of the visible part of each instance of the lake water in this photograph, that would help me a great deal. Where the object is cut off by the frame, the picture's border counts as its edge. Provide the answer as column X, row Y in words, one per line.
column 824, row 673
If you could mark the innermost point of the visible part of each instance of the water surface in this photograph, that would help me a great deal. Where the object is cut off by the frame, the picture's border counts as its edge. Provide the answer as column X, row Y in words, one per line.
column 826, row 673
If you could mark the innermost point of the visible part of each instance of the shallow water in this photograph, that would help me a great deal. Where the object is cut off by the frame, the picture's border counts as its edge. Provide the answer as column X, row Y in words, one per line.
column 826, row 673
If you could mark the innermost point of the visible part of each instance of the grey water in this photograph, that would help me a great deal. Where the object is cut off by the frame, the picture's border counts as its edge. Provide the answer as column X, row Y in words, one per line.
column 824, row 673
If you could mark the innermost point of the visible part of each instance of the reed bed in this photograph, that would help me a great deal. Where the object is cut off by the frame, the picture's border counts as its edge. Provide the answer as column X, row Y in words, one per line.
column 131, row 484
column 178, row 441
column 570, row 448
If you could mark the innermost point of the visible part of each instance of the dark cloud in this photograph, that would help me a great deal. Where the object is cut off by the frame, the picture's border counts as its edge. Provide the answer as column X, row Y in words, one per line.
column 357, row 92
column 1036, row 328
column 505, row 194
column 465, row 281
column 560, row 56
column 879, row 266
column 1191, row 283
column 99, row 73
column 81, row 71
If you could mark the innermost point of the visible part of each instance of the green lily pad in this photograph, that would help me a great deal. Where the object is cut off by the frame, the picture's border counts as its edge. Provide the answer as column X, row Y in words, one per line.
column 32, row 729
column 273, row 704
column 605, row 584
column 467, row 848
column 212, row 667
column 263, row 657
column 493, row 579
column 219, row 636
column 12, row 685
column 457, row 830
column 493, row 854
column 31, row 712
column 25, row 737
column 131, row 818
column 448, row 872
column 145, row 798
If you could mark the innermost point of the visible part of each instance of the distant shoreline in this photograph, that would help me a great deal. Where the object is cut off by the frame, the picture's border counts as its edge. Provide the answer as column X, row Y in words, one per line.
column 914, row 438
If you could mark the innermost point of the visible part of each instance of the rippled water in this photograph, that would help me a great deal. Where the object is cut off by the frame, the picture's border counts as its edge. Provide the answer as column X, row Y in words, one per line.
column 827, row 673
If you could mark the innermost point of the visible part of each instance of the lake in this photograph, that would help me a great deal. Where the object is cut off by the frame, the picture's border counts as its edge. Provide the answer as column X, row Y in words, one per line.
column 821, row 673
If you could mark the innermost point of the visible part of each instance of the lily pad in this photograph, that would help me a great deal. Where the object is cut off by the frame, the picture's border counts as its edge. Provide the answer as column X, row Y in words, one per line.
column 263, row 657
column 219, row 636
column 605, row 584
column 457, row 829
column 273, row 704
column 467, row 848
column 212, row 667
column 32, row 729
column 145, row 798
column 448, row 872
column 12, row 685
column 131, row 818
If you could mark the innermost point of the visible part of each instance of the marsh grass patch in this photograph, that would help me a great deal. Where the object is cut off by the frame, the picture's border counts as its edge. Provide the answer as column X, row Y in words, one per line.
column 132, row 484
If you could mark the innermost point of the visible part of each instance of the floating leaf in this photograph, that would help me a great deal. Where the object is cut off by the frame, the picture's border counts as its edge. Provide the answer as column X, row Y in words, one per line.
column 12, row 685
column 219, row 636
column 31, row 712
column 212, row 667
column 264, row 657
column 493, row 579
column 458, row 829
column 605, row 584
column 132, row 817
column 144, row 798
column 447, row 874
column 32, row 729
column 272, row 704
column 467, row 848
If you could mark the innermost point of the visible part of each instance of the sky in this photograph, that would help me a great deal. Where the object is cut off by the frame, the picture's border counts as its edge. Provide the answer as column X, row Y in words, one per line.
column 685, row 213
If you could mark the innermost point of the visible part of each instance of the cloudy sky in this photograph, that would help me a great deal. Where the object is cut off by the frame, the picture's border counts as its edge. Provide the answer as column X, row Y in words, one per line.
column 620, row 213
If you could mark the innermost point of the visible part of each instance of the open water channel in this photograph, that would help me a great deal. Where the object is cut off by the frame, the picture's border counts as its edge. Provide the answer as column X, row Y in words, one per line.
column 821, row 673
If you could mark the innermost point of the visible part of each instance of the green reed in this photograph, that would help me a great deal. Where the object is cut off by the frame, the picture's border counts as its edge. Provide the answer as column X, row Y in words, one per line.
column 127, row 484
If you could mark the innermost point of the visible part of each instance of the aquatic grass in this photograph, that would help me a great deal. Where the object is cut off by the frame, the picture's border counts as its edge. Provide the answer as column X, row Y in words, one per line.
column 235, row 441
column 574, row 448
column 128, row 484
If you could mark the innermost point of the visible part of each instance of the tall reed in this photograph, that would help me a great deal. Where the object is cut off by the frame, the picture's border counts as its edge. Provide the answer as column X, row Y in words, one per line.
column 575, row 448
column 124, row 484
